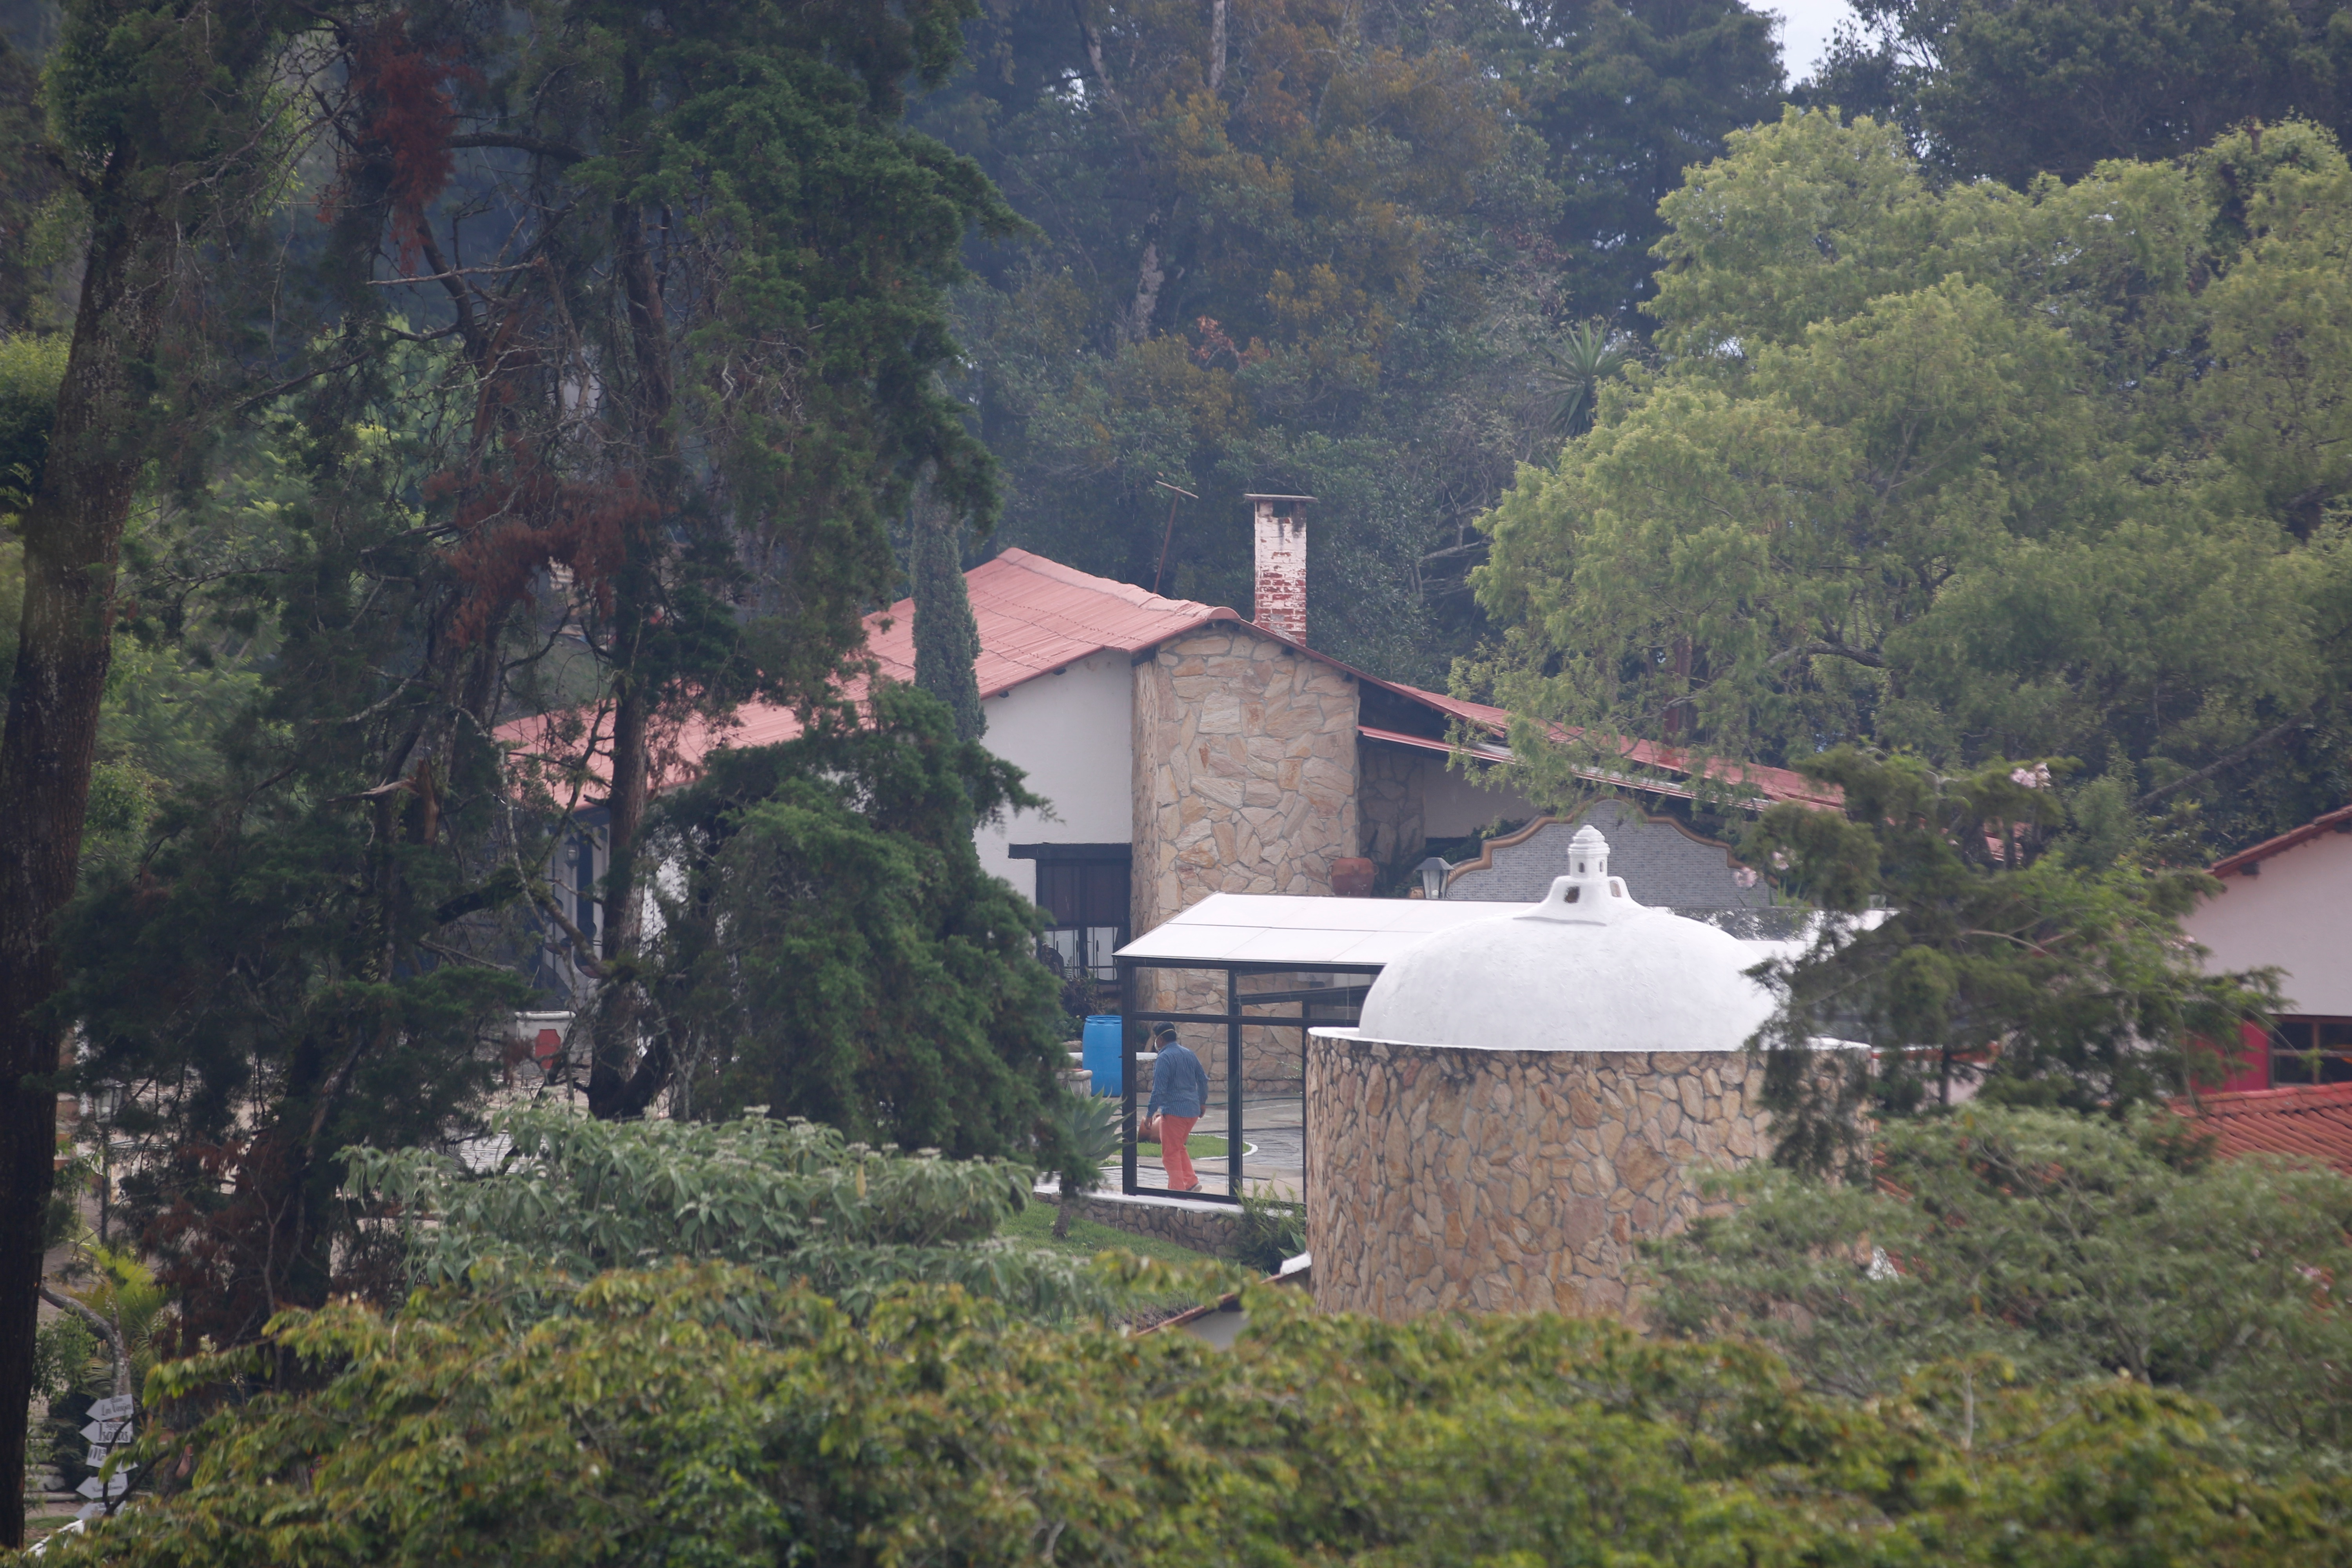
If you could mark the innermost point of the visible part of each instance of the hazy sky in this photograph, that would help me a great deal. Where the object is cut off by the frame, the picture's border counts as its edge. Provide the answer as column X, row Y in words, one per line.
column 1805, row 32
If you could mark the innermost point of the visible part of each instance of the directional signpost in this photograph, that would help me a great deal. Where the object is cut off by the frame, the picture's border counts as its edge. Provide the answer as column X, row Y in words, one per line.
column 108, row 1432
column 109, row 1429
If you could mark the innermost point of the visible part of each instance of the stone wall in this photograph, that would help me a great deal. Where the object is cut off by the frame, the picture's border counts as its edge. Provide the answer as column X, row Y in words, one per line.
column 1246, row 763
column 1393, row 830
column 1444, row 1178
column 1212, row 1228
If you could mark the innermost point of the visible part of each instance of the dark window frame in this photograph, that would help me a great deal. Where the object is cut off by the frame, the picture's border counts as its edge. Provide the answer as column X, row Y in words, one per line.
column 2307, row 1049
column 1084, row 888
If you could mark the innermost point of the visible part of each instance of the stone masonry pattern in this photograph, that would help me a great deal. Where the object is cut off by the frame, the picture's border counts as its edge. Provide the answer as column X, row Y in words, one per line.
column 1216, row 1231
column 1390, row 806
column 1246, row 755
column 1449, row 1179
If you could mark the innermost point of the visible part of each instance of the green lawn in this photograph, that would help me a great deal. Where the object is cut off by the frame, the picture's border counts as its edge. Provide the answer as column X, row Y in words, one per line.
column 1035, row 1224
column 1201, row 1146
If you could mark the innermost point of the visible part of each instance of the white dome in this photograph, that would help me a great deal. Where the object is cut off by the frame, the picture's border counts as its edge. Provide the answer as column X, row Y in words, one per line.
column 1586, row 970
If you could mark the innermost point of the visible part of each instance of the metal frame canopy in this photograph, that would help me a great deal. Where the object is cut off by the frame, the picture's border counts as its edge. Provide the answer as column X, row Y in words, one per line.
column 1260, row 933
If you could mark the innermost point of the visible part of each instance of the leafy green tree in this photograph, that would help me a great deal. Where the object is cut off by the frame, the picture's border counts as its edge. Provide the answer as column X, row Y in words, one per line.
column 310, row 942
column 1626, row 97
column 2066, row 1247
column 2009, row 92
column 835, row 949
column 30, row 187
column 30, row 369
column 1295, row 246
column 793, row 1202
column 166, row 127
column 719, row 207
column 698, row 1415
column 415, row 522
column 1968, row 950
column 1964, row 472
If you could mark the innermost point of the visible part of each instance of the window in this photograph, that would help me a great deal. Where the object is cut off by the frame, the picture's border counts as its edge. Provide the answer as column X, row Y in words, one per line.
column 1083, row 888
column 584, row 866
column 2311, row 1050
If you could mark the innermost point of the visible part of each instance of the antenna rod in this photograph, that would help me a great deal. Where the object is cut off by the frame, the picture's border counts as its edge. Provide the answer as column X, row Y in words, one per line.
column 1170, row 537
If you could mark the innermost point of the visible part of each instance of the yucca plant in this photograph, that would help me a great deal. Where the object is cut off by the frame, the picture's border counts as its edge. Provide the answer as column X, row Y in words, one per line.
column 1589, row 355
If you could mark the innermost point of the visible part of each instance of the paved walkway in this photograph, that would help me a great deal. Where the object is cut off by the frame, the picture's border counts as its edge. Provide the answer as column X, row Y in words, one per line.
column 1273, row 1136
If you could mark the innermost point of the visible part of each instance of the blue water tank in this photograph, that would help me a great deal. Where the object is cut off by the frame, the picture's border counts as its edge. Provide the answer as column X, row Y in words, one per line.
column 1100, row 1052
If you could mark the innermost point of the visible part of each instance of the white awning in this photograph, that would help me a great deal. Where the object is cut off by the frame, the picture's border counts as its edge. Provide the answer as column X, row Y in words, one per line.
column 1274, row 929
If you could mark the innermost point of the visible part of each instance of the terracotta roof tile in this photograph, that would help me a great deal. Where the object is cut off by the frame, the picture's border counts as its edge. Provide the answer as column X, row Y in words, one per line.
column 2311, row 1119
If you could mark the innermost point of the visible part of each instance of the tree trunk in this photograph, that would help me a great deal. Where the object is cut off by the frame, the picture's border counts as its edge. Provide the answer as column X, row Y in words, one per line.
column 1149, row 276
column 72, row 535
column 620, row 1082
column 618, row 1085
column 1216, row 44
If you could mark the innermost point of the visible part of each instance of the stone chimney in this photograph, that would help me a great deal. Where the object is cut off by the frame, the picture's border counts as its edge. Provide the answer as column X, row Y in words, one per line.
column 1281, row 565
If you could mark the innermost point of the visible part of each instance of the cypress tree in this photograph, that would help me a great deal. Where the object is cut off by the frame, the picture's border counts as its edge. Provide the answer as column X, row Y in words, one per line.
column 947, row 639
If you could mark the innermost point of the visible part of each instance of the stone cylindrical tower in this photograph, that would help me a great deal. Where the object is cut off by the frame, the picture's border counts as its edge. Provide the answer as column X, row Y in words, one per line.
column 1525, row 1099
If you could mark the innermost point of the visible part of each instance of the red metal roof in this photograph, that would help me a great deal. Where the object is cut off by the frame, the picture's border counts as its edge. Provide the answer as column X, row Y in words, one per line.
column 2311, row 1119
column 1036, row 616
column 1772, row 785
column 2336, row 821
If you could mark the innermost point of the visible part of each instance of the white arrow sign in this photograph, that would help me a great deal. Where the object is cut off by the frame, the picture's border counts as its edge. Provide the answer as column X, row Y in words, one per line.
column 114, row 1485
column 113, row 1408
column 107, row 1432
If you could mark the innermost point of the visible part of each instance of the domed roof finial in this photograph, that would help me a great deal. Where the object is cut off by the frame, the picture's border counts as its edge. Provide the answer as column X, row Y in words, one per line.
column 1588, row 895
column 1588, row 854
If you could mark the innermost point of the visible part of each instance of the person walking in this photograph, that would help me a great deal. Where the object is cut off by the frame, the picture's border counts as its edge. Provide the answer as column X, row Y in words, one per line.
column 1180, row 1092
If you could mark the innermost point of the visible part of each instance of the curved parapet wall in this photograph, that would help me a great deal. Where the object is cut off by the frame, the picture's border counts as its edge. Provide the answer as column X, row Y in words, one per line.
column 1443, row 1177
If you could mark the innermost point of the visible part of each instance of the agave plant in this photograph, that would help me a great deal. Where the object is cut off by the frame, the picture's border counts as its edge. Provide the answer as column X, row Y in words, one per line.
column 1088, row 1125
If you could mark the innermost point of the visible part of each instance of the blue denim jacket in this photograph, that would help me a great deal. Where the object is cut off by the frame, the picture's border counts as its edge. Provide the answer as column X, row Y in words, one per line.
column 1179, row 1087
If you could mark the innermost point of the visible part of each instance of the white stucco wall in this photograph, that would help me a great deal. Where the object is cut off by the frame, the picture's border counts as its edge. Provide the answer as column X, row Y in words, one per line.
column 1073, row 734
column 2297, row 915
column 1453, row 804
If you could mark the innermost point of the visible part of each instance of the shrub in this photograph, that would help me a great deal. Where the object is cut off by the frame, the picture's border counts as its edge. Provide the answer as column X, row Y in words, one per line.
column 2068, row 1246
column 790, row 1200
column 1271, row 1232
column 709, row 1415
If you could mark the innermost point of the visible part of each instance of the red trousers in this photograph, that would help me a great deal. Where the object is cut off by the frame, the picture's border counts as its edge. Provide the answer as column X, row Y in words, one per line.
column 1173, row 1132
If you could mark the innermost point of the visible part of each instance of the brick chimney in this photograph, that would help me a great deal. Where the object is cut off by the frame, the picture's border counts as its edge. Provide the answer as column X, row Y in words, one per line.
column 1281, row 565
